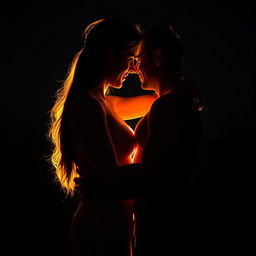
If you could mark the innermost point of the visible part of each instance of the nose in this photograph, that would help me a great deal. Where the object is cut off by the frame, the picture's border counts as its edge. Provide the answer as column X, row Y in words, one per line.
column 134, row 65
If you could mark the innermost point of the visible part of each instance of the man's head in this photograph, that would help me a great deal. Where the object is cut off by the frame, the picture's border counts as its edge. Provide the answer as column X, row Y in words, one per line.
column 160, row 54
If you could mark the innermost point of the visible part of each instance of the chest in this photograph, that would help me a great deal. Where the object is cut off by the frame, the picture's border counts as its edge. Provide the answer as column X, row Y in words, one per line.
column 121, row 135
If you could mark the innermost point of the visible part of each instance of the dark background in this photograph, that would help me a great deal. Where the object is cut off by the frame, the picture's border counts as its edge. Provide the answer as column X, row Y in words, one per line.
column 219, row 40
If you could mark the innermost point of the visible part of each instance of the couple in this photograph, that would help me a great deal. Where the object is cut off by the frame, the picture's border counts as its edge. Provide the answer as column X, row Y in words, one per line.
column 126, row 202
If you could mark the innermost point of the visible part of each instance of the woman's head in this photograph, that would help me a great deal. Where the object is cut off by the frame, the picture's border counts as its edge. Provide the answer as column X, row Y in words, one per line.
column 108, row 44
column 103, row 60
column 161, row 52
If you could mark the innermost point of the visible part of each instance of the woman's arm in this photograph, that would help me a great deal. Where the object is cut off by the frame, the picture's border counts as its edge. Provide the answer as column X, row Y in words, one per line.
column 132, row 183
column 131, row 107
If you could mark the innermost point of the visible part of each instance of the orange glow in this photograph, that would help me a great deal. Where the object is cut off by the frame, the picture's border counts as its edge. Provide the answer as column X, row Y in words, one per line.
column 133, row 154
column 134, row 149
column 131, row 129
column 67, row 182
column 129, row 108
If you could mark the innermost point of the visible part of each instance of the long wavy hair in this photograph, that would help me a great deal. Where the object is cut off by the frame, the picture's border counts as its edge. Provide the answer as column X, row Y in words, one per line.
column 87, row 71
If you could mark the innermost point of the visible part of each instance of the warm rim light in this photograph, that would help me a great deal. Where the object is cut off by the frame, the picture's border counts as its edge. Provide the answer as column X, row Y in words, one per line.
column 132, row 155
column 135, row 147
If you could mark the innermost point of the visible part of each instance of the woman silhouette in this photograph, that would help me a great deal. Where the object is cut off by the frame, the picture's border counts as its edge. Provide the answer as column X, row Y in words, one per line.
column 90, row 139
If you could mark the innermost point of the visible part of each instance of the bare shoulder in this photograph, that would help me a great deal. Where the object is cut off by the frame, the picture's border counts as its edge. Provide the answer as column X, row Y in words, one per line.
column 86, row 104
column 164, row 106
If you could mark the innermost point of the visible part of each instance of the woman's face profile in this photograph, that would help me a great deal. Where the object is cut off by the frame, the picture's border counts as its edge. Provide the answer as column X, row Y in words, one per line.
column 118, row 68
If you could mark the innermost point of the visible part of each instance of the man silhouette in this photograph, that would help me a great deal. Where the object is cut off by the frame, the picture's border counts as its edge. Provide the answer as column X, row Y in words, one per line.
column 168, row 138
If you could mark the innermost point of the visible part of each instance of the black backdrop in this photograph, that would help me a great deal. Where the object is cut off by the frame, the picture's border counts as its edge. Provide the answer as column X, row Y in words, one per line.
column 219, row 40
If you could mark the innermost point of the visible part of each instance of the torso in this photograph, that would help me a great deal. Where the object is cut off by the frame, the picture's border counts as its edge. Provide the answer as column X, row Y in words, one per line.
column 106, row 222
column 178, row 101
column 172, row 108
column 121, row 135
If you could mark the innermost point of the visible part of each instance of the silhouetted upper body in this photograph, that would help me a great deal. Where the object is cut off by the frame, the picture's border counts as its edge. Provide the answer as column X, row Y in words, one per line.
column 89, row 137
column 168, row 138
column 109, row 139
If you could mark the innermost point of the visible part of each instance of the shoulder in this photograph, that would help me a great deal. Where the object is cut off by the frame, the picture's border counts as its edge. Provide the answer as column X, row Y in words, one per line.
column 171, row 108
column 87, row 113
column 86, row 99
column 164, row 105
column 86, row 103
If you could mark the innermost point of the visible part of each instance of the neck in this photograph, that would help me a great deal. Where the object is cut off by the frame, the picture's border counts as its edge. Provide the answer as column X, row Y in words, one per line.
column 168, row 84
column 99, row 91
